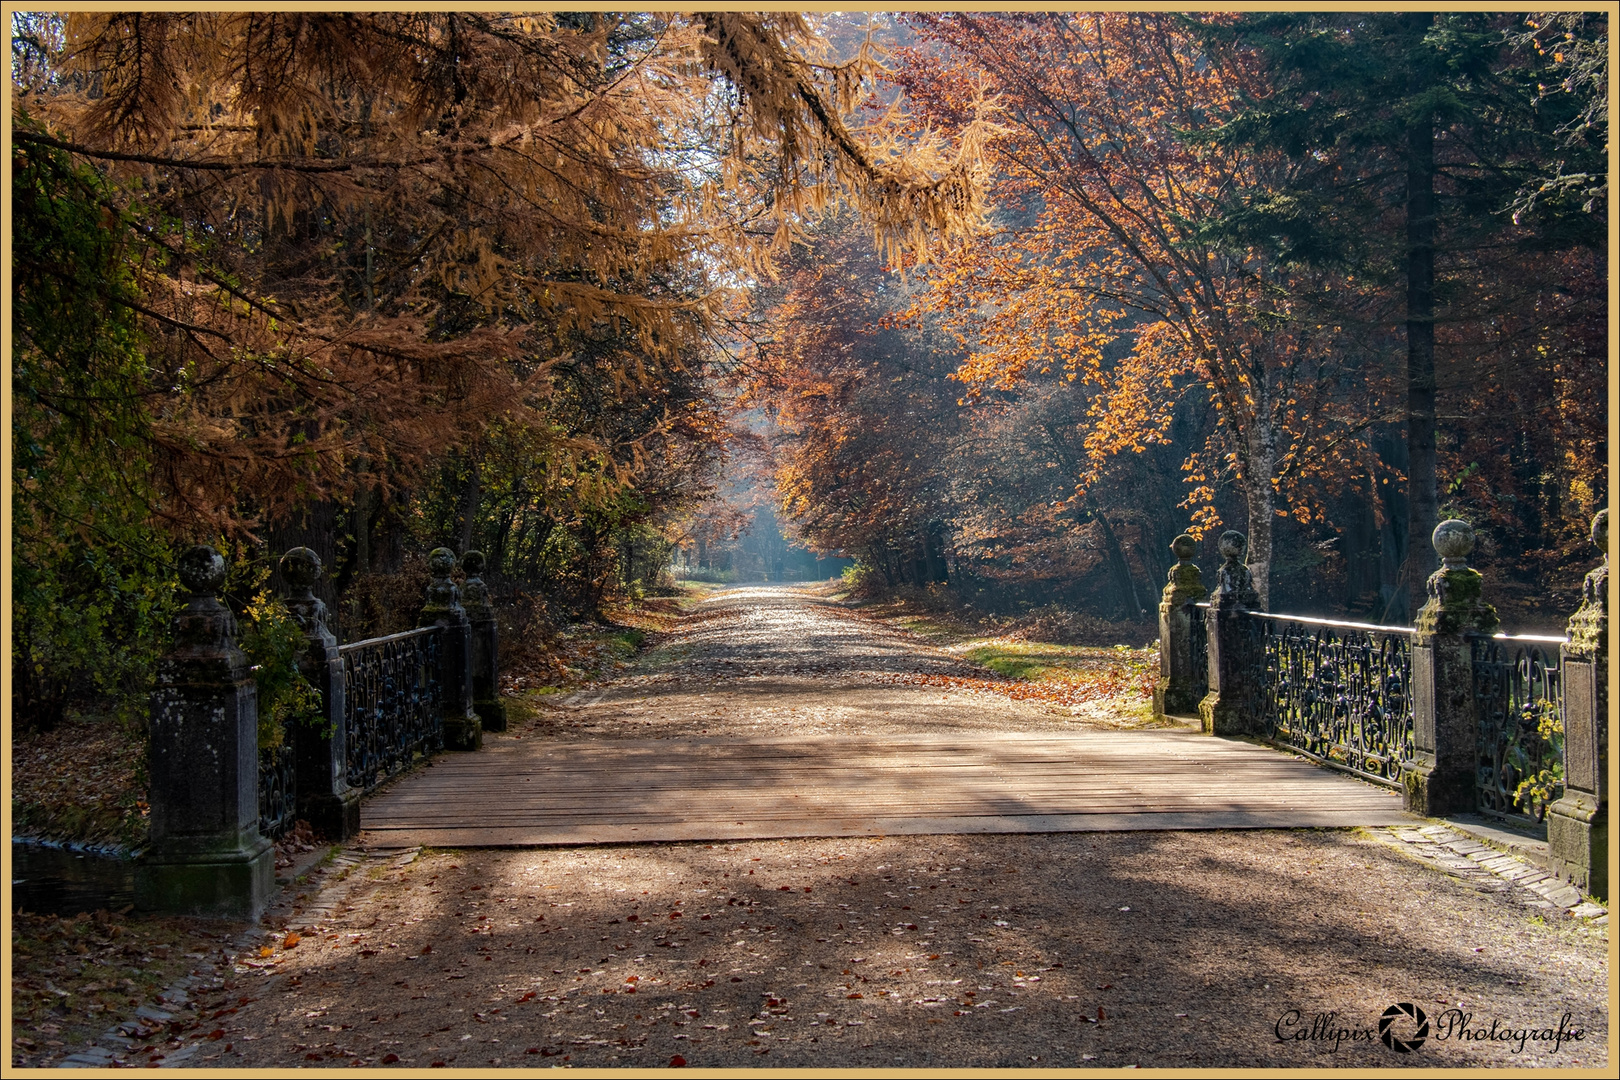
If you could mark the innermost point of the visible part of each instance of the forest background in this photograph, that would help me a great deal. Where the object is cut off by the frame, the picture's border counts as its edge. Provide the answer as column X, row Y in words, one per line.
column 994, row 305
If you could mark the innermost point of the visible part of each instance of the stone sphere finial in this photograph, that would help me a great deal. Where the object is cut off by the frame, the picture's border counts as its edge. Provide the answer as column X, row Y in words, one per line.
column 473, row 563
column 441, row 562
column 1453, row 540
column 1600, row 530
column 301, row 567
column 202, row 571
column 1184, row 547
column 1233, row 544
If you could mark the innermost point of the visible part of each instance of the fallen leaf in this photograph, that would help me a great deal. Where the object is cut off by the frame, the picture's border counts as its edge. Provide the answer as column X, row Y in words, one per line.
column 677, row 1061
column 389, row 1059
column 291, row 941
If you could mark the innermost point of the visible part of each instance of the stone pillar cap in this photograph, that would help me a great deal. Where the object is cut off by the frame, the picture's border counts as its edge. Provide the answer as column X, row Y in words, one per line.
column 202, row 570
column 301, row 566
column 1453, row 539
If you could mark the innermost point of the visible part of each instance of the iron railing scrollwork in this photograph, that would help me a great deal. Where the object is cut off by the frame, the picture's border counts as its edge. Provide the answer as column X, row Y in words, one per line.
column 1518, row 694
column 1337, row 692
column 393, row 701
column 278, row 789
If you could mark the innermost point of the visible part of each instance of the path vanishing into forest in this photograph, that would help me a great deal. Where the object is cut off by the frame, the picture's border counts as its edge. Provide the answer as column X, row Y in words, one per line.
column 775, row 712
column 1041, row 891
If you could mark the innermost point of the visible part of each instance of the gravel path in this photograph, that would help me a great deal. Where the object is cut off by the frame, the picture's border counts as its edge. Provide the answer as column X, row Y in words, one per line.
column 1158, row 949
column 781, row 661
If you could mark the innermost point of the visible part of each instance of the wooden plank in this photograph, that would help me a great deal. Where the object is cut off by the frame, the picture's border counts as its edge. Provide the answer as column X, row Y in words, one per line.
column 537, row 793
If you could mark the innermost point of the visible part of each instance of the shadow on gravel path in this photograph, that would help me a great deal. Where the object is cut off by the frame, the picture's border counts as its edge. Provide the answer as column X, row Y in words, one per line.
column 1244, row 948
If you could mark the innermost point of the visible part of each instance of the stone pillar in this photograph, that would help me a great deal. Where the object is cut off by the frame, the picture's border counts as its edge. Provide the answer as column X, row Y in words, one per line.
column 1578, row 823
column 1445, row 722
column 320, row 750
column 1227, row 708
column 462, row 730
column 1180, row 687
column 486, row 672
column 205, row 856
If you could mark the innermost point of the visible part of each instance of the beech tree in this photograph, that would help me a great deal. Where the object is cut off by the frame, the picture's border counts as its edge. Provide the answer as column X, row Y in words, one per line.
column 1093, row 112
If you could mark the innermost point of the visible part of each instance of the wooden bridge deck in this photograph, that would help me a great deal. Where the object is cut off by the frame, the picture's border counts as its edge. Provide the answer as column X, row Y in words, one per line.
column 535, row 793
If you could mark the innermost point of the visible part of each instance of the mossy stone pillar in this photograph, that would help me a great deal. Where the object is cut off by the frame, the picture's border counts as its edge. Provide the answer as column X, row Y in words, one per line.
column 1180, row 686
column 462, row 730
column 1227, row 709
column 1578, row 823
column 486, row 683
column 320, row 750
column 205, row 856
column 1445, row 722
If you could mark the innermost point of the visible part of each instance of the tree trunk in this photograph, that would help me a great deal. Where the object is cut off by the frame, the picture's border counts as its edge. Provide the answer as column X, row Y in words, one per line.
column 1422, row 496
column 1116, row 562
column 1259, row 497
column 467, row 507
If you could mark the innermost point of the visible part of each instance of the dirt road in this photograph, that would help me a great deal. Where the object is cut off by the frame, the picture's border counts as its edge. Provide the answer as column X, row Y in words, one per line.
column 1242, row 948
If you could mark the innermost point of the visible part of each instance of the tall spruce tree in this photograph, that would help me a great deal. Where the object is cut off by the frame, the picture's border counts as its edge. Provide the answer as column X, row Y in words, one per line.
column 1411, row 136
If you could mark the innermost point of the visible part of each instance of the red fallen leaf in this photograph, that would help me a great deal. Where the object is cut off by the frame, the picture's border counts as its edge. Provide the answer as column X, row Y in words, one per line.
column 368, row 952
column 1100, row 1016
column 227, row 1048
column 632, row 918
column 853, row 997
column 526, row 997
column 911, row 926
column 674, row 914
column 632, row 978
column 532, row 1050
column 735, row 978
column 389, row 1059
column 312, row 1057
column 427, row 948
column 291, row 941
column 677, row 1061
column 217, row 1034
column 807, row 888
column 1110, row 986
column 709, row 916
column 539, row 918
column 784, row 888
column 437, row 1065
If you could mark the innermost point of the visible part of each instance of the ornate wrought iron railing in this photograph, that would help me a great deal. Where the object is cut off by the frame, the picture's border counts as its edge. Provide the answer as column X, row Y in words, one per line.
column 392, row 708
column 278, row 790
column 1518, row 692
column 1338, row 692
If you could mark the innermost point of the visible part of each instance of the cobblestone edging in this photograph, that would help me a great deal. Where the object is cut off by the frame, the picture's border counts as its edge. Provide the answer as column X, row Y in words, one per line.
column 176, row 1008
column 1490, row 869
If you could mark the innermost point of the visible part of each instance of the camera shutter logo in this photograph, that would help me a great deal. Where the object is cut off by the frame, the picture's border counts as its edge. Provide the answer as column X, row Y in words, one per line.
column 1403, row 1027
